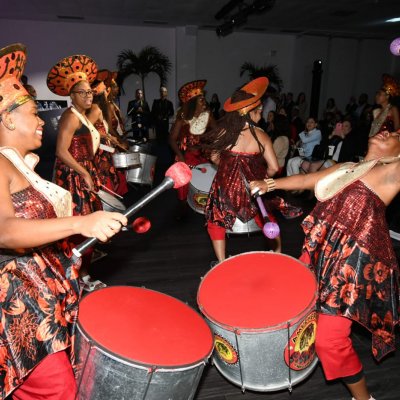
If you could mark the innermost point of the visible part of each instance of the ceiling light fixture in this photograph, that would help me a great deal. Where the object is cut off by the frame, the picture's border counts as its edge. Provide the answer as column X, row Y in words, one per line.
column 240, row 17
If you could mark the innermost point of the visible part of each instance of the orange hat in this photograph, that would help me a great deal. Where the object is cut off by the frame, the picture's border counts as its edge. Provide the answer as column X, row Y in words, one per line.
column 99, row 88
column 390, row 85
column 257, row 88
column 69, row 71
column 107, row 76
column 12, row 64
column 191, row 89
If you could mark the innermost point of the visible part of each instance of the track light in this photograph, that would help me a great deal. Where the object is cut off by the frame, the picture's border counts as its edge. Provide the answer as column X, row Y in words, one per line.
column 240, row 17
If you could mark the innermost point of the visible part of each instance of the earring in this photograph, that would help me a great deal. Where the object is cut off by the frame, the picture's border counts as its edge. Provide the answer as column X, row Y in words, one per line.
column 11, row 127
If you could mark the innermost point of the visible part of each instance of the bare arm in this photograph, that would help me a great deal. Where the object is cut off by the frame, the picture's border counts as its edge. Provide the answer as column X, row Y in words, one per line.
column 294, row 182
column 19, row 233
column 396, row 118
column 269, row 153
column 173, row 138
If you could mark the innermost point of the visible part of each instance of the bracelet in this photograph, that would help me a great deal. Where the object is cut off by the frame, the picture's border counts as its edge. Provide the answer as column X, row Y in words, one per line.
column 271, row 184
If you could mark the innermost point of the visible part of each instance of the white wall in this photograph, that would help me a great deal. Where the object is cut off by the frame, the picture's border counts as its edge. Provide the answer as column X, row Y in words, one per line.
column 219, row 59
column 350, row 66
column 47, row 42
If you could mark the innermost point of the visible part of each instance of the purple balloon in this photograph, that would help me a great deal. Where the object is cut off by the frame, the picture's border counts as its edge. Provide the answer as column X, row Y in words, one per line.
column 395, row 47
column 271, row 230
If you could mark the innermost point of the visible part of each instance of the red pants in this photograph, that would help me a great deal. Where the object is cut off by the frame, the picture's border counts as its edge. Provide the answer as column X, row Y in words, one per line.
column 335, row 348
column 217, row 232
column 52, row 379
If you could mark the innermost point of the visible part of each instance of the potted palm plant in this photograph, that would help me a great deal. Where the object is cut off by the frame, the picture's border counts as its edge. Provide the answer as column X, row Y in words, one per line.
column 270, row 71
column 148, row 60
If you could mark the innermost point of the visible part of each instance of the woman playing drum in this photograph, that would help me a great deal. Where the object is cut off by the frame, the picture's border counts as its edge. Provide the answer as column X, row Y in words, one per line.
column 241, row 151
column 39, row 288
column 348, row 246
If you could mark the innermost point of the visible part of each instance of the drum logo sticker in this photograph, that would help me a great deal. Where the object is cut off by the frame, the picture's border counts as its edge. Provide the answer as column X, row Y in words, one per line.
column 225, row 350
column 200, row 199
column 302, row 344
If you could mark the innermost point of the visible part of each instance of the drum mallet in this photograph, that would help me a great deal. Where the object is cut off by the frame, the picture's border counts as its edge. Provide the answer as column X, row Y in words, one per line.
column 270, row 229
column 177, row 175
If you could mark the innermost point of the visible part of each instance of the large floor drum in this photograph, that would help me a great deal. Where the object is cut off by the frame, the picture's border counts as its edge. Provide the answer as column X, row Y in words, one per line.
column 134, row 343
column 200, row 185
column 261, row 308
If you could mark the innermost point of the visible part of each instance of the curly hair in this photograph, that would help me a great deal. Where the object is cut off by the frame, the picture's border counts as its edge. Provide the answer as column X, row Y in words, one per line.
column 225, row 135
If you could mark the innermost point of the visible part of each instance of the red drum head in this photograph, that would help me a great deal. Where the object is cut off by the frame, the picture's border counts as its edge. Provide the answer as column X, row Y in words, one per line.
column 257, row 290
column 145, row 326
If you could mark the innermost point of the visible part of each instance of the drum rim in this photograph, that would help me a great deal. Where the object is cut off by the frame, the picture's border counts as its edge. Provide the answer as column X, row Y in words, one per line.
column 110, row 205
column 242, row 330
column 117, row 356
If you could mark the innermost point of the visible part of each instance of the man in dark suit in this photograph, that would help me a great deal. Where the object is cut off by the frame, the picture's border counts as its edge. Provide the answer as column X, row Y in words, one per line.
column 161, row 111
column 139, row 114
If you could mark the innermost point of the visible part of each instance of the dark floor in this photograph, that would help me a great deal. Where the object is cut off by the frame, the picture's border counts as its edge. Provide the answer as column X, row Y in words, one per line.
column 173, row 256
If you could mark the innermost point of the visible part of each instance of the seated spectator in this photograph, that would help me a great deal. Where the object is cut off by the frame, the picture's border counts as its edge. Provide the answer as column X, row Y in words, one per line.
column 280, row 140
column 339, row 148
column 309, row 138
column 330, row 107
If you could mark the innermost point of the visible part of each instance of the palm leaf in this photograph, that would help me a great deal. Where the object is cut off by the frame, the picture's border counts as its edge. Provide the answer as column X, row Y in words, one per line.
column 270, row 71
column 148, row 60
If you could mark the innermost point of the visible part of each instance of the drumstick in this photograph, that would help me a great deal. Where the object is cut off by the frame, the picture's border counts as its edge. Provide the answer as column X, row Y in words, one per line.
column 202, row 169
column 110, row 191
column 270, row 229
column 177, row 175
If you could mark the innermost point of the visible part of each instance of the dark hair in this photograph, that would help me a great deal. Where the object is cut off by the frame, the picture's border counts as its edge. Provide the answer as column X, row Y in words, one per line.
column 298, row 97
column 226, row 133
column 331, row 100
column 281, row 127
column 102, row 102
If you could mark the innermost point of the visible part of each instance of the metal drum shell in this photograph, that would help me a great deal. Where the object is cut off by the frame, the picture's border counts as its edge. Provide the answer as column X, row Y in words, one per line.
column 111, row 377
column 125, row 160
column 200, row 186
column 108, row 371
column 260, row 363
column 144, row 174
column 240, row 227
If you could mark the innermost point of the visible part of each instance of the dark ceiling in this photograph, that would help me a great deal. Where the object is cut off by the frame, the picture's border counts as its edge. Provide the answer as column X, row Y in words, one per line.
column 345, row 18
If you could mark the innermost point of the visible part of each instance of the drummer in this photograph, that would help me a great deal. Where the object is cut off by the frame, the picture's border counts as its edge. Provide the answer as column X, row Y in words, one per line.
column 39, row 280
column 77, row 143
column 192, row 120
column 115, row 122
column 240, row 150
column 348, row 246
column 99, row 115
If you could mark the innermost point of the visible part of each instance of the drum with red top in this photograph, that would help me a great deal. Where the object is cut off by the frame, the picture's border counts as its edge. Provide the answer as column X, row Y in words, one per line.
column 134, row 343
column 261, row 308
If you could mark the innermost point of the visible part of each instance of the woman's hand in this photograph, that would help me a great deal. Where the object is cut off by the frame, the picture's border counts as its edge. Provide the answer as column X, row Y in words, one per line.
column 101, row 224
column 261, row 187
column 89, row 181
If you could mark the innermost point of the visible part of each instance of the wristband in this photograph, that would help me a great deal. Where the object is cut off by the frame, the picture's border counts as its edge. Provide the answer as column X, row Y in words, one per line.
column 271, row 184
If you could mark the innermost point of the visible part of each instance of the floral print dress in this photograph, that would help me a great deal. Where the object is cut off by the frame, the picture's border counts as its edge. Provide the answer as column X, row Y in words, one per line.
column 39, row 294
column 348, row 246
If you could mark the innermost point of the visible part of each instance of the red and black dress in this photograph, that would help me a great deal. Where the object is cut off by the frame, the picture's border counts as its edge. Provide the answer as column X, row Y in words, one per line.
column 347, row 244
column 39, row 294
column 81, row 149
column 103, row 161
column 189, row 145
column 229, row 196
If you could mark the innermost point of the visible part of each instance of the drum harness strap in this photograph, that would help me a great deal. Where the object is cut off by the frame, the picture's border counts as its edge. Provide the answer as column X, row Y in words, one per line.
column 236, row 331
column 288, row 347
